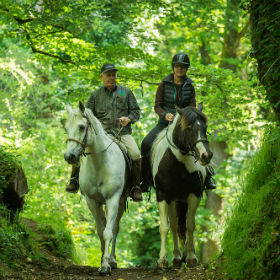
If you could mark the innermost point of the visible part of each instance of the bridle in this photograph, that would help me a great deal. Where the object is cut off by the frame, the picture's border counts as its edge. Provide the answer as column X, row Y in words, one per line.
column 190, row 151
column 84, row 142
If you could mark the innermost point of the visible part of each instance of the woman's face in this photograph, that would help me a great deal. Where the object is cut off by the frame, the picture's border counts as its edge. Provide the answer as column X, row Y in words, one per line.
column 180, row 70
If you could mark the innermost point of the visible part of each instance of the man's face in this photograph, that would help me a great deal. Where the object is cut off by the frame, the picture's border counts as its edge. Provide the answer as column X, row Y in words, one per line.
column 109, row 78
column 180, row 70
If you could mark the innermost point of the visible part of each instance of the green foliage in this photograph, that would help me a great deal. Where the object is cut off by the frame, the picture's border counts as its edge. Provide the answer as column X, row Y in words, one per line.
column 251, row 242
column 8, row 164
column 265, row 27
column 15, row 240
column 57, row 238
column 71, row 40
column 20, row 241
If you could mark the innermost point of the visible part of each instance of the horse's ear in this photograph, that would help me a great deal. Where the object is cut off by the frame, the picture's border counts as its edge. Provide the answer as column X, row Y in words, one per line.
column 180, row 111
column 200, row 106
column 81, row 106
column 69, row 108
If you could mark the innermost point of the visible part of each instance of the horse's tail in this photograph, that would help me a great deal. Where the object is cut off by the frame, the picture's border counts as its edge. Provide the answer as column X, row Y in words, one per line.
column 181, row 210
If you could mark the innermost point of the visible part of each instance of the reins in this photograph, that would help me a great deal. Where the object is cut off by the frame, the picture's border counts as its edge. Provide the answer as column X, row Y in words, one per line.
column 190, row 151
column 84, row 142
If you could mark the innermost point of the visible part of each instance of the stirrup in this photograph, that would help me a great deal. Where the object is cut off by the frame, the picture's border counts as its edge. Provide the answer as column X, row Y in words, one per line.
column 73, row 186
column 210, row 184
column 138, row 196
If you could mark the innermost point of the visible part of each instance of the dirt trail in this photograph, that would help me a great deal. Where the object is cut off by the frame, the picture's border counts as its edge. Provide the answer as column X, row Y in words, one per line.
column 54, row 268
column 71, row 272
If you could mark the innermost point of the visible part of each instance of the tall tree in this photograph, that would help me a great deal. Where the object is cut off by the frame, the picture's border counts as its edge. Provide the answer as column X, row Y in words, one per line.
column 233, row 32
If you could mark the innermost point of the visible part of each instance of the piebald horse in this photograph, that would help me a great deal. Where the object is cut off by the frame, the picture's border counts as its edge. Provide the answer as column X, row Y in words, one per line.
column 102, row 176
column 178, row 158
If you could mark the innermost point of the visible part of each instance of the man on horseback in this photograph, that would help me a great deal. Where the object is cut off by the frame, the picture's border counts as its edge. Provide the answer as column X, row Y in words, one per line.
column 116, row 108
column 175, row 89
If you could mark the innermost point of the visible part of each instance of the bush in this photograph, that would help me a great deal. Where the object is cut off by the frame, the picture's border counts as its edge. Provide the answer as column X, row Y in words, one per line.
column 251, row 242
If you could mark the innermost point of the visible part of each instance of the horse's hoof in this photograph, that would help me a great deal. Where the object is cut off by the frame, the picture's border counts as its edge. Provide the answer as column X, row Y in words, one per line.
column 162, row 264
column 177, row 263
column 192, row 262
column 113, row 265
column 105, row 271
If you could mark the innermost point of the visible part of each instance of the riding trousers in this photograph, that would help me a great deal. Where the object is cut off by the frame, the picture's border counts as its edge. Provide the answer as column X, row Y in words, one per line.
column 147, row 142
column 131, row 146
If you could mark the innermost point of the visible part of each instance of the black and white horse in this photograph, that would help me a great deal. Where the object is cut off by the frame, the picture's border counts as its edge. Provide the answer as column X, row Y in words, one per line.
column 102, row 176
column 178, row 159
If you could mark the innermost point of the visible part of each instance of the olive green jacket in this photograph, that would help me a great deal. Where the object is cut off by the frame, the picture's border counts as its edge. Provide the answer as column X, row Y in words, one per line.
column 108, row 107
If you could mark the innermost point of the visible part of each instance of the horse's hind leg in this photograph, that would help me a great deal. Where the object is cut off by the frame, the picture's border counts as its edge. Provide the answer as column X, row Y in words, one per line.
column 177, row 261
column 163, row 229
column 189, row 250
column 113, row 262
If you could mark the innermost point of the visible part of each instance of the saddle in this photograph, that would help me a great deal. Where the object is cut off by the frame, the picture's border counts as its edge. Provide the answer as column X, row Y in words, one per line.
column 128, row 161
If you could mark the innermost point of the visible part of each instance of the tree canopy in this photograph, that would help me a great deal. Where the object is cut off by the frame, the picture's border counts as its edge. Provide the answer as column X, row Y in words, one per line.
column 51, row 53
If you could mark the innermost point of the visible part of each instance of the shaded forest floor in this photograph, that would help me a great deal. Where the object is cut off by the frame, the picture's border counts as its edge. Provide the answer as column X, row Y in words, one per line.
column 54, row 268
column 68, row 271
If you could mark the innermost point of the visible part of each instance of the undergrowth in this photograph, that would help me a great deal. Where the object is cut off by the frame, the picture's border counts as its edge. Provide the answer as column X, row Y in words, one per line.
column 251, row 242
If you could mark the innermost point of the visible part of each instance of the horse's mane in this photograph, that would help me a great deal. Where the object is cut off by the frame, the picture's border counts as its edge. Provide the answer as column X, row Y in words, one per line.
column 76, row 115
column 191, row 114
column 94, row 121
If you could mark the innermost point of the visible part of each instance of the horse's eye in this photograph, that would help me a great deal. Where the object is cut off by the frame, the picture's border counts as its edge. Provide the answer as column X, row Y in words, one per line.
column 82, row 127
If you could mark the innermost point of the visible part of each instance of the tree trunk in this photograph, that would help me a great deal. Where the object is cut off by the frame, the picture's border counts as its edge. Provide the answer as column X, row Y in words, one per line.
column 210, row 248
column 204, row 54
column 232, row 35
column 214, row 202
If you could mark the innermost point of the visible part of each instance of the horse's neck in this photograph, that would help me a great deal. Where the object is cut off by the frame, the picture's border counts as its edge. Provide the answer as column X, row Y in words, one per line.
column 100, row 139
column 171, row 129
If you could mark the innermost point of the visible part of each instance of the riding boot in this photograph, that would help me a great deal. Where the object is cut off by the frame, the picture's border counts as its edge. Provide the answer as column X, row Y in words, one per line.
column 209, row 180
column 73, row 186
column 136, row 193
column 146, row 176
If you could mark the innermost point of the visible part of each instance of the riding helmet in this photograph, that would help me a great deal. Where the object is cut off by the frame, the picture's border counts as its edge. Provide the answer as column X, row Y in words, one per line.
column 181, row 58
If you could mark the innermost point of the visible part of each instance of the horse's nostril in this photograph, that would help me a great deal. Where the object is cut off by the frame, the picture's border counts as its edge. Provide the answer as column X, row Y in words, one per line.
column 69, row 157
column 204, row 156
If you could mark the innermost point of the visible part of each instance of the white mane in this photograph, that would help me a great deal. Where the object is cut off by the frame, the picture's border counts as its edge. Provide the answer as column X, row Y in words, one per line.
column 76, row 114
column 94, row 121
column 162, row 135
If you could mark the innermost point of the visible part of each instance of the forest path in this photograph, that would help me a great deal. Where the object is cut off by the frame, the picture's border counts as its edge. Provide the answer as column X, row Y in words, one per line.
column 54, row 268
column 67, row 271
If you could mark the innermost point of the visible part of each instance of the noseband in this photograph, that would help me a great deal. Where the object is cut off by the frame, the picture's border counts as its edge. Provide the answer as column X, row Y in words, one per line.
column 84, row 142
column 190, row 151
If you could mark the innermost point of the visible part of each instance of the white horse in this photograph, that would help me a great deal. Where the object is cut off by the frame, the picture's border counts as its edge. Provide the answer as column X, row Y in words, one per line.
column 102, row 176
column 178, row 156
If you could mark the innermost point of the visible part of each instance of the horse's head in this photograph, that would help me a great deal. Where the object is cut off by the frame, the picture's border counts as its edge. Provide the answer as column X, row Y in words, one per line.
column 189, row 134
column 77, row 127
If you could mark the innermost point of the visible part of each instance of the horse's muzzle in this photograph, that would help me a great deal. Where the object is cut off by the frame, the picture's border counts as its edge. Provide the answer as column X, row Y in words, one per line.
column 205, row 158
column 72, row 157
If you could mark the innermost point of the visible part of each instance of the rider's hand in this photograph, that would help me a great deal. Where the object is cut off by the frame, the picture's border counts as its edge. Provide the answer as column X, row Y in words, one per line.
column 169, row 117
column 124, row 121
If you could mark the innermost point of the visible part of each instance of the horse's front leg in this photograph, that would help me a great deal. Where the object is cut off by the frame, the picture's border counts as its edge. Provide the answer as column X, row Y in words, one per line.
column 173, row 219
column 113, row 262
column 100, row 220
column 112, row 205
column 189, row 250
column 163, row 229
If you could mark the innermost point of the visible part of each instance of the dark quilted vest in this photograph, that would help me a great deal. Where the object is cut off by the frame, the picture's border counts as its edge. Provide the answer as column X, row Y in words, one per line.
column 170, row 94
